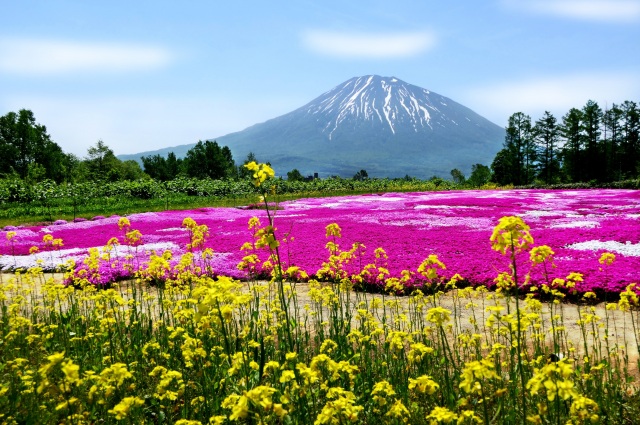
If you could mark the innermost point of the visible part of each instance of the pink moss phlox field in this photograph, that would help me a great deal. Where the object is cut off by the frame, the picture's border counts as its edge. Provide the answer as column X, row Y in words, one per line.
column 579, row 225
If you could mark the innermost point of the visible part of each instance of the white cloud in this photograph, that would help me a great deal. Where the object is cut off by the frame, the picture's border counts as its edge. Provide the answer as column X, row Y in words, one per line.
column 368, row 45
column 556, row 94
column 592, row 10
column 46, row 57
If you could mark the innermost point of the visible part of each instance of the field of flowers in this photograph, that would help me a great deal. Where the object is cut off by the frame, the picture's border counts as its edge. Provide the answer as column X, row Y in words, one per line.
column 578, row 225
column 181, row 343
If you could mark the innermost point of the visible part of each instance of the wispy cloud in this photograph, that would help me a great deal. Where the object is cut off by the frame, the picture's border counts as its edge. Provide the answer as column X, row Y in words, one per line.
column 557, row 94
column 51, row 57
column 592, row 10
column 368, row 45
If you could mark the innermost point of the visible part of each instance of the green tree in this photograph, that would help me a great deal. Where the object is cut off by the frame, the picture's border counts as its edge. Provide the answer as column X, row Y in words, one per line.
column 295, row 175
column 361, row 175
column 630, row 139
column 547, row 137
column 130, row 170
column 480, row 175
column 612, row 134
column 591, row 121
column 208, row 159
column 24, row 143
column 519, row 143
column 102, row 164
column 502, row 168
column 572, row 152
column 458, row 176
column 161, row 168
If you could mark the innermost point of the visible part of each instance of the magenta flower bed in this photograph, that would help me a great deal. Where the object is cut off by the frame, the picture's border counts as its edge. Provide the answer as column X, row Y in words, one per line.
column 579, row 225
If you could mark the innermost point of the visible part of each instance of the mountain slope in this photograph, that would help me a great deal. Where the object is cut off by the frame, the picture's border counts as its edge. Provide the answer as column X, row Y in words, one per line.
column 383, row 125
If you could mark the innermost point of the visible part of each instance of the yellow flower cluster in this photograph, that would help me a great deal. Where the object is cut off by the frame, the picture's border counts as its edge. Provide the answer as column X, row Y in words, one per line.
column 261, row 172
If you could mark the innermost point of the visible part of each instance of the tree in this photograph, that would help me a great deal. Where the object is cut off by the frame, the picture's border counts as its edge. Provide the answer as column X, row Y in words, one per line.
column 155, row 167
column 571, row 131
column 208, row 159
column 130, row 170
column 547, row 137
column 480, row 175
column 630, row 139
column 502, row 168
column 458, row 177
column 295, row 175
column 361, row 175
column 24, row 143
column 160, row 168
column 102, row 164
column 612, row 139
column 591, row 120
column 520, row 147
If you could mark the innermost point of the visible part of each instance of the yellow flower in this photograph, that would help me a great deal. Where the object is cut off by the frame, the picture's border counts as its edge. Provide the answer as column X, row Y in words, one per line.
column 287, row 376
column 441, row 415
column 607, row 258
column 10, row 235
column 334, row 230
column 429, row 267
column 124, row 223
column 540, row 254
column 261, row 172
column 122, row 409
column 424, row 384
column 473, row 374
column 399, row 410
column 438, row 315
column 381, row 391
column 511, row 233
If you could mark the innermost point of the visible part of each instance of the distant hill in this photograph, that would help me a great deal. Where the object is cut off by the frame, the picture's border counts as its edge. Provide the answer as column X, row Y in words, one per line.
column 380, row 124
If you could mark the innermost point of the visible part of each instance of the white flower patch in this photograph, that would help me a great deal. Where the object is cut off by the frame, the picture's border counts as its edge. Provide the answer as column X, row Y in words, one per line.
column 446, row 207
column 582, row 224
column 49, row 260
column 540, row 213
column 627, row 249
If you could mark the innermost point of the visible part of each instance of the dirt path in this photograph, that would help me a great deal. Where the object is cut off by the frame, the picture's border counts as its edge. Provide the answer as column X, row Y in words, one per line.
column 616, row 326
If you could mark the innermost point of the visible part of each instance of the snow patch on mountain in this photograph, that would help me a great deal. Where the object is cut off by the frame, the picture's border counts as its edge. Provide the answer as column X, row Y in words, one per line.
column 402, row 104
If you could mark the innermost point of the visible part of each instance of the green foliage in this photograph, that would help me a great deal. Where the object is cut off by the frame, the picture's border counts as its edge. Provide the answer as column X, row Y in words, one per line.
column 208, row 159
column 25, row 147
column 46, row 200
column 588, row 145
column 458, row 177
column 295, row 175
column 480, row 175
column 160, row 168
column 361, row 175
column 547, row 138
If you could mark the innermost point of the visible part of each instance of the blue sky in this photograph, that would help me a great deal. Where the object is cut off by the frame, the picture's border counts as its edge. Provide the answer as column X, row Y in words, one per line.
column 144, row 75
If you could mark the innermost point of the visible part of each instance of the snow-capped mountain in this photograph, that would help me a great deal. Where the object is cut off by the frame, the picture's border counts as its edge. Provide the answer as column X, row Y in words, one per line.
column 380, row 124
column 392, row 103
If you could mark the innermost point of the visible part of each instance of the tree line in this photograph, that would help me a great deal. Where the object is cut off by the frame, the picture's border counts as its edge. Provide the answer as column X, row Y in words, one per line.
column 587, row 145
column 28, row 153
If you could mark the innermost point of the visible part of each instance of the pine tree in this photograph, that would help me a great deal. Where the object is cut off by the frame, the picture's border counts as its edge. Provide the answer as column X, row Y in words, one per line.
column 630, row 139
column 611, row 133
column 571, row 132
column 520, row 148
column 591, row 120
column 547, row 137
